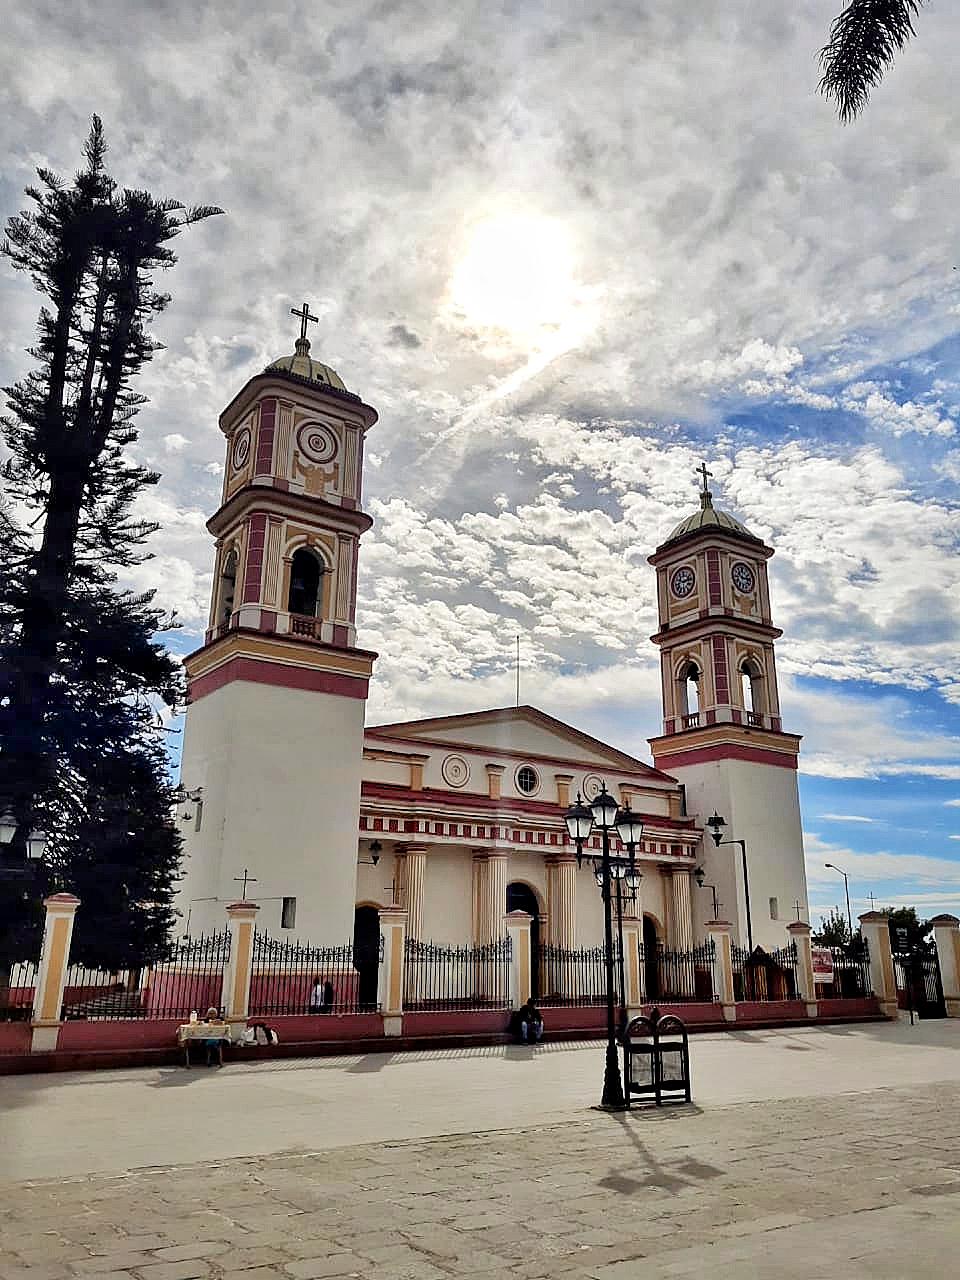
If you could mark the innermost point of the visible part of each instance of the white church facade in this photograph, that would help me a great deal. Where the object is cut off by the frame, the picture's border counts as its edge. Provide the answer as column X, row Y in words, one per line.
column 323, row 820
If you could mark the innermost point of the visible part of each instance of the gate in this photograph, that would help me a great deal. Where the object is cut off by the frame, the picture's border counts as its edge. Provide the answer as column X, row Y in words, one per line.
column 919, row 987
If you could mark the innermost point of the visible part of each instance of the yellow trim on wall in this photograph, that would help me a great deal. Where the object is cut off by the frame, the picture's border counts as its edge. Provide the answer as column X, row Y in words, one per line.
column 56, row 967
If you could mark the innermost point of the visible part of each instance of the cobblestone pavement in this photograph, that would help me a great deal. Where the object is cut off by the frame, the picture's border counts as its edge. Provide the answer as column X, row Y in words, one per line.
column 862, row 1183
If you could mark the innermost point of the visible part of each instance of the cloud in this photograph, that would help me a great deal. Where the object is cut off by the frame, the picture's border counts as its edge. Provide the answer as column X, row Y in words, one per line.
column 846, row 817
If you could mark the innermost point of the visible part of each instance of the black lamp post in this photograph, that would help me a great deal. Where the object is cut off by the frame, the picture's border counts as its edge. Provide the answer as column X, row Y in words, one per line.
column 716, row 825
column 604, row 813
column 22, row 851
column 846, row 889
column 700, row 876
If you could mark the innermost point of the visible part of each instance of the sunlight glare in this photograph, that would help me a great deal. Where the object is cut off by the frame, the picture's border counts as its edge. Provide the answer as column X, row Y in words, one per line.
column 516, row 275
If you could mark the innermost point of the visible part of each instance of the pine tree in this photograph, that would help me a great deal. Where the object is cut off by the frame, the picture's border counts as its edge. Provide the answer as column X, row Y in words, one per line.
column 81, row 669
column 864, row 40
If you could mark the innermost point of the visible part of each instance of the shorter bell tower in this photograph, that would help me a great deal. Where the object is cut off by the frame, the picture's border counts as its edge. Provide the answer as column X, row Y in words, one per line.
column 722, row 732
column 273, row 739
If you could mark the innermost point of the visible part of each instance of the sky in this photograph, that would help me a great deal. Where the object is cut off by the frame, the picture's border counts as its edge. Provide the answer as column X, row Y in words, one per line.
column 567, row 251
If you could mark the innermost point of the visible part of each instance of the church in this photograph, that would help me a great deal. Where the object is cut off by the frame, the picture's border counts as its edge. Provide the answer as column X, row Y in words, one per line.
column 322, row 820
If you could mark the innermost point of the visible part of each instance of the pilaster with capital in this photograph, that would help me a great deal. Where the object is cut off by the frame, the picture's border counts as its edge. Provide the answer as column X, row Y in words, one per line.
column 562, row 900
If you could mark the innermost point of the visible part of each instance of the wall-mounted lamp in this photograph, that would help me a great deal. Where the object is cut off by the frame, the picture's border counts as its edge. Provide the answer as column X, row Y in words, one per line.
column 375, row 850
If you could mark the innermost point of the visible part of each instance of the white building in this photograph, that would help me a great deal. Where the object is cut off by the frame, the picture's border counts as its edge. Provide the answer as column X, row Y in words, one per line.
column 458, row 818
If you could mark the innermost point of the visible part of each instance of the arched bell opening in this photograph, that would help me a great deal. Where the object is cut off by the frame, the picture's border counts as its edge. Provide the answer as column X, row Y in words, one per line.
column 306, row 572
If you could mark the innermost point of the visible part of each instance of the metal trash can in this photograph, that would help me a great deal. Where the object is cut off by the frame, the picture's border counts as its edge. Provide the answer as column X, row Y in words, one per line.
column 656, row 1059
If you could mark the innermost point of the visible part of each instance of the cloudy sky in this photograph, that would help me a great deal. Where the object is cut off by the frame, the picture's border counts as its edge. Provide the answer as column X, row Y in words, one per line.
column 568, row 251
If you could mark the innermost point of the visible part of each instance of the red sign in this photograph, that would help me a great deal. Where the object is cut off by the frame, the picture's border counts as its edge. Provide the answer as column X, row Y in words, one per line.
column 822, row 964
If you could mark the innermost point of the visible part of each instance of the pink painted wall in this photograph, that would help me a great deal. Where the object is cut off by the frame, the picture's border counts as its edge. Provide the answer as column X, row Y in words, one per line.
column 14, row 1037
column 128, row 1033
column 267, row 990
column 445, row 1022
column 182, row 991
column 855, row 1008
column 772, row 1011
column 297, row 1028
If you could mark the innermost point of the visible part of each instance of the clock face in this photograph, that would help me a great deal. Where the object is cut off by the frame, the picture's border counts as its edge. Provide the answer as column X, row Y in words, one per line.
column 742, row 576
column 241, row 447
column 682, row 582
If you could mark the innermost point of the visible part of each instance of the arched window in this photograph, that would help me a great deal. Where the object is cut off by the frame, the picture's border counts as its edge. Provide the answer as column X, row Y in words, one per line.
column 751, row 688
column 689, row 681
column 228, row 586
column 304, row 595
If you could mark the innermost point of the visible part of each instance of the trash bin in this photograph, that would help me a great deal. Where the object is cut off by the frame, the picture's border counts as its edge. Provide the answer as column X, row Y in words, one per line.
column 656, row 1059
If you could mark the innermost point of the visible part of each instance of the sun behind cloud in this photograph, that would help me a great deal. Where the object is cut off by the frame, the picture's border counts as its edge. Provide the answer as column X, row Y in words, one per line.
column 516, row 275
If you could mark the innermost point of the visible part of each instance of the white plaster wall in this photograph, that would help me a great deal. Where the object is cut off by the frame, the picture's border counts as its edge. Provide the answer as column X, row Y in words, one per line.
column 761, row 804
column 448, row 897
column 280, row 770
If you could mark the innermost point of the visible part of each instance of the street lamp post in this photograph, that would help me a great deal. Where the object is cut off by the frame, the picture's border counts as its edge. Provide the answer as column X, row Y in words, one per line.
column 846, row 889
column 716, row 825
column 700, row 876
column 604, row 813
column 20, row 848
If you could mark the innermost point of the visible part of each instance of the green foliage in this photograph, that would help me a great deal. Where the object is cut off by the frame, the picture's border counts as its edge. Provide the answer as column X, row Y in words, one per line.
column 81, row 672
column 864, row 40
column 834, row 931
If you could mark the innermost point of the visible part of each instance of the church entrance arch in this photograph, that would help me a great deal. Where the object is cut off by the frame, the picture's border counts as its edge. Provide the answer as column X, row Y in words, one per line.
column 520, row 897
column 651, row 954
column 366, row 954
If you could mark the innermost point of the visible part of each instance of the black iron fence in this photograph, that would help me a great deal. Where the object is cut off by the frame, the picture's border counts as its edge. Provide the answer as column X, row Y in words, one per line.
column 16, row 991
column 295, row 977
column 575, row 976
column 851, row 972
column 678, row 976
column 442, row 977
column 189, row 979
column 918, row 980
column 765, row 975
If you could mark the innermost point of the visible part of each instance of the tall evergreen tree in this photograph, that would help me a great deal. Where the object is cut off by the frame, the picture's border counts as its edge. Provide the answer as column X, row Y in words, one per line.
column 81, row 670
column 864, row 40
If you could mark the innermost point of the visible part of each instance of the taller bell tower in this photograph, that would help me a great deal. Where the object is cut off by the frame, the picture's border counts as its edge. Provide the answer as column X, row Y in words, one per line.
column 273, row 739
column 722, row 733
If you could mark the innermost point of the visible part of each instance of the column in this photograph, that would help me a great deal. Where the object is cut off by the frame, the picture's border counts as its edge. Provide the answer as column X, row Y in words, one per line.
column 235, row 992
column 720, row 933
column 876, row 931
column 516, row 925
column 946, row 934
column 799, row 931
column 416, row 866
column 479, row 896
column 496, row 905
column 682, row 912
column 632, row 969
column 562, row 900
column 393, row 926
column 61, row 908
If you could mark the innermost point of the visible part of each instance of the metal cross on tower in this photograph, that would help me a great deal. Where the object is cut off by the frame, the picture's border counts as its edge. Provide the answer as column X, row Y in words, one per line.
column 304, row 314
column 247, row 879
column 702, row 471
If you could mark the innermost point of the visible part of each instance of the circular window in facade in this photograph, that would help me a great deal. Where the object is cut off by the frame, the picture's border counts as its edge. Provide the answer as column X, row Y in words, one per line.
column 592, row 783
column 317, row 443
column 527, row 780
column 241, row 447
column 456, row 771
column 683, row 582
column 742, row 576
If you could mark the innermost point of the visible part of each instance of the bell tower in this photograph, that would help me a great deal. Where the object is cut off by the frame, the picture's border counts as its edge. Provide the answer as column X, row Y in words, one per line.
column 722, row 732
column 276, row 694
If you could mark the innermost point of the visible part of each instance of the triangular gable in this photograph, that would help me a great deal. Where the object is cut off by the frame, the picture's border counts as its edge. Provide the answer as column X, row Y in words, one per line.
column 517, row 729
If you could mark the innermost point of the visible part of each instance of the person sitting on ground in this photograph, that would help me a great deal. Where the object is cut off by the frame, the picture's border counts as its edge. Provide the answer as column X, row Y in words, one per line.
column 527, row 1023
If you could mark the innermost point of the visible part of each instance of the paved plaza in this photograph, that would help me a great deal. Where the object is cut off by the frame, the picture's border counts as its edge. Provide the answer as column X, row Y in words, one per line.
column 807, row 1153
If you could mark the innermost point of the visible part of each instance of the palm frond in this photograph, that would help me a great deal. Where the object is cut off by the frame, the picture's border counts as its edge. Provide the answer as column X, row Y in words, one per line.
column 864, row 40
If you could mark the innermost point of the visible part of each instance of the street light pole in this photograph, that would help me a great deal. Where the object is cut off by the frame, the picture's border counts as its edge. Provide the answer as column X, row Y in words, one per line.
column 604, row 813
column 846, row 890
column 717, row 824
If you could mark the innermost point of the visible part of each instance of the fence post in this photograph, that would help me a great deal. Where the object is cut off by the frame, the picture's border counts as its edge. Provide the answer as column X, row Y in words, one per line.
column 876, row 930
column 393, row 923
column 946, row 934
column 235, row 995
column 517, row 929
column 631, row 966
column 799, row 931
column 61, row 909
column 720, row 933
